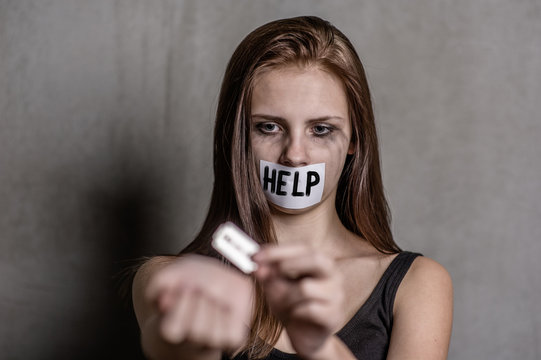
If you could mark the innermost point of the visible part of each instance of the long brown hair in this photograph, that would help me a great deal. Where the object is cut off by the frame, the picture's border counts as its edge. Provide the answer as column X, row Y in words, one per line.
column 237, row 195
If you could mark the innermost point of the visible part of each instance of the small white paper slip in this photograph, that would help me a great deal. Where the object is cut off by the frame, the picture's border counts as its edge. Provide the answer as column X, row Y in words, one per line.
column 236, row 246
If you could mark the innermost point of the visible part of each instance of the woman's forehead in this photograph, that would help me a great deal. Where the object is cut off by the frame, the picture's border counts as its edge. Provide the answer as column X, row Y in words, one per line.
column 307, row 91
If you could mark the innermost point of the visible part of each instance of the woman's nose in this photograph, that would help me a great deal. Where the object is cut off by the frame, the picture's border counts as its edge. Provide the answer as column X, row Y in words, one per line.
column 295, row 152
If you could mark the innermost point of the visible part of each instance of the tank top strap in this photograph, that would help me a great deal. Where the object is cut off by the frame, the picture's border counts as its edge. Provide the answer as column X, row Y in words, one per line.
column 392, row 278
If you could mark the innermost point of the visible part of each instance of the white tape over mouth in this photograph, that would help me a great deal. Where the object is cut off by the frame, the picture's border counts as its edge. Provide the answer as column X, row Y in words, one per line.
column 292, row 187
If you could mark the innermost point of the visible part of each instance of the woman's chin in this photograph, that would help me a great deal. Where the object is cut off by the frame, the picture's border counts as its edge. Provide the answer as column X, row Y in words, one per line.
column 277, row 209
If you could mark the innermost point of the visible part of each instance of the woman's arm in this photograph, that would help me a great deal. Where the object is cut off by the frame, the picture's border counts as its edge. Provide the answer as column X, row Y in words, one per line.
column 423, row 313
column 186, row 308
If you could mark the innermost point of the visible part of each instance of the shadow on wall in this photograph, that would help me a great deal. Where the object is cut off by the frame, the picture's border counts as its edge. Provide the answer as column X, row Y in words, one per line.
column 126, row 221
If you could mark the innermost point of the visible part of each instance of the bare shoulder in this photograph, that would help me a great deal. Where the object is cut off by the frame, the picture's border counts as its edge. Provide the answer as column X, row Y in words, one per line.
column 426, row 281
column 423, row 312
column 425, row 275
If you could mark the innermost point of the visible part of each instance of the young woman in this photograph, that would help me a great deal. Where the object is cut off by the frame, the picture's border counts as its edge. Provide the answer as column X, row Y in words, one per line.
column 296, row 167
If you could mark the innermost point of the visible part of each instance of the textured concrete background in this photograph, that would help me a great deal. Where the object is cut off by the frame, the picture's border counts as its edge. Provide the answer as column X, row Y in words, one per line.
column 106, row 114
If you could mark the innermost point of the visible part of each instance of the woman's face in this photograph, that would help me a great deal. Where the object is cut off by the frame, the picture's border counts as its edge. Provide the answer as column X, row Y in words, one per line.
column 300, row 117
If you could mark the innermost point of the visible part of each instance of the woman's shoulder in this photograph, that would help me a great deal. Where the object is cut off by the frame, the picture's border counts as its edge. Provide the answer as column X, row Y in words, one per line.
column 427, row 283
column 422, row 312
column 426, row 273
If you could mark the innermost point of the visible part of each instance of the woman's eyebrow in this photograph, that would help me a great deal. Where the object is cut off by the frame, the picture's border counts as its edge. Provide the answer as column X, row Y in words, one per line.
column 325, row 118
column 281, row 119
column 268, row 117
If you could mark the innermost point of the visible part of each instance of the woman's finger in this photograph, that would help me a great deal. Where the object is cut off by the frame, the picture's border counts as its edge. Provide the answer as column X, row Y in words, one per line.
column 315, row 312
column 292, row 262
column 272, row 253
column 175, row 323
column 216, row 332
column 306, row 265
column 201, row 324
column 284, row 294
column 309, row 264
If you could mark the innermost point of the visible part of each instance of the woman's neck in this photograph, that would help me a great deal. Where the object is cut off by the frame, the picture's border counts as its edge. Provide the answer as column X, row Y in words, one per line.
column 319, row 227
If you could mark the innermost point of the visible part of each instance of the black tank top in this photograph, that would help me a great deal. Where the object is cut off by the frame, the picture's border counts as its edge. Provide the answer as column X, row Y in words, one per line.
column 368, row 332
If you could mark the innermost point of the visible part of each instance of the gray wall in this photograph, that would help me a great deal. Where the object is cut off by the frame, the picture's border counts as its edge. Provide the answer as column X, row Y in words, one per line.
column 106, row 114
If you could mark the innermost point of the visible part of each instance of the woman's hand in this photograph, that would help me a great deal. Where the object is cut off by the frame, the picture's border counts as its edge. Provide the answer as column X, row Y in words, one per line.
column 305, row 291
column 197, row 305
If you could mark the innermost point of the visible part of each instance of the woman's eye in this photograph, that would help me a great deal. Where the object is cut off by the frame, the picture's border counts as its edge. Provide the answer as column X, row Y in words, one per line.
column 321, row 130
column 268, row 128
